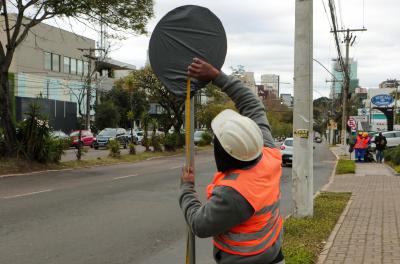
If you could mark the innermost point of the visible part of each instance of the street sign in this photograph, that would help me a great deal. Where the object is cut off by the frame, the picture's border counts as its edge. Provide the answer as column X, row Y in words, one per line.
column 352, row 123
column 360, row 118
column 363, row 112
column 382, row 100
column 302, row 133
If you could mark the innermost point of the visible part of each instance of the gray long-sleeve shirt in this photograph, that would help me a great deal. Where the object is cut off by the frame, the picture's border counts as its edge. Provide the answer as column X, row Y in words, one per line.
column 227, row 208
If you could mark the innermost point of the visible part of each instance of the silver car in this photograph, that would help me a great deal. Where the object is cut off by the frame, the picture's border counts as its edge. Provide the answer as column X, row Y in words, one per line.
column 287, row 151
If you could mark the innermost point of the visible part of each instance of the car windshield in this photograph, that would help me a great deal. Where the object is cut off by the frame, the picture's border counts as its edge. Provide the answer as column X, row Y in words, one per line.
column 289, row 142
column 139, row 133
column 108, row 133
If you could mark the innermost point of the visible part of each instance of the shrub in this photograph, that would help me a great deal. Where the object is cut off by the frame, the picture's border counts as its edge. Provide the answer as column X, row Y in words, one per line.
column 156, row 143
column 34, row 141
column 393, row 155
column 132, row 149
column 56, row 148
column 113, row 146
column 206, row 139
column 171, row 142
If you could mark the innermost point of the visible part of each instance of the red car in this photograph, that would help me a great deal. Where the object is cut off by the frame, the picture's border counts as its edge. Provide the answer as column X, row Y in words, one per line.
column 87, row 138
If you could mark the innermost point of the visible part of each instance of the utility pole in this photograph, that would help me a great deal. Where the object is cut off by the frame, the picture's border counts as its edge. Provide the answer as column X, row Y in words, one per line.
column 302, row 172
column 88, row 82
column 349, row 40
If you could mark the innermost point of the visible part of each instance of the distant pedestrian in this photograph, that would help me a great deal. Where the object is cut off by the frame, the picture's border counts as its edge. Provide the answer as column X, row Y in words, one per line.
column 380, row 142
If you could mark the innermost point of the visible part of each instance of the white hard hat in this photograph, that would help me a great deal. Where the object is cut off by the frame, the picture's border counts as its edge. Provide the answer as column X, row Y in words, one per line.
column 239, row 135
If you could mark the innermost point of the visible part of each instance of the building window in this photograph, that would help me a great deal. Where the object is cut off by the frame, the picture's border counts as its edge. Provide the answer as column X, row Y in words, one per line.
column 55, row 65
column 85, row 68
column 67, row 64
column 51, row 61
column 47, row 61
column 73, row 66
column 79, row 67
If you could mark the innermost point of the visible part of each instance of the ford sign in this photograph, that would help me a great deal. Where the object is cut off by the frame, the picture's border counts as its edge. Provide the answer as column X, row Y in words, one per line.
column 382, row 100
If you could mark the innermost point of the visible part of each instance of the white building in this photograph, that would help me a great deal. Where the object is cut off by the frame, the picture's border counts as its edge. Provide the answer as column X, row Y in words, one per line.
column 271, row 83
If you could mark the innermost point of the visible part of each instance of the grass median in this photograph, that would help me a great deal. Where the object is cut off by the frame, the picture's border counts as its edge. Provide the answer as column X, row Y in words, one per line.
column 305, row 238
column 345, row 166
column 15, row 166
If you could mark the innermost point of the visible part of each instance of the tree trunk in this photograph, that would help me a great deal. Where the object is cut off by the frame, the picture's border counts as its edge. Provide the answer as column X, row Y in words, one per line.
column 6, row 115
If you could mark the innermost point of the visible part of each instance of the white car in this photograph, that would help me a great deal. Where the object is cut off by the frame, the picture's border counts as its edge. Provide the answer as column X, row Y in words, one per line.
column 392, row 137
column 287, row 151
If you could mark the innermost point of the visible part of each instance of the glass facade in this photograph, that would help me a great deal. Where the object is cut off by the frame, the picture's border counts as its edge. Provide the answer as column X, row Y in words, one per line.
column 73, row 66
column 55, row 65
column 67, row 64
column 47, row 61
column 79, row 67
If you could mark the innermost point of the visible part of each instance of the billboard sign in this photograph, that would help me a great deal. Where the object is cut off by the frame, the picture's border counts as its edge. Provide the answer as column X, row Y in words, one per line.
column 382, row 100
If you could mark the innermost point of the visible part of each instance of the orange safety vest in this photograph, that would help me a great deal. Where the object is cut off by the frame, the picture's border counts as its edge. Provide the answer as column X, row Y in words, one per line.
column 361, row 143
column 260, row 186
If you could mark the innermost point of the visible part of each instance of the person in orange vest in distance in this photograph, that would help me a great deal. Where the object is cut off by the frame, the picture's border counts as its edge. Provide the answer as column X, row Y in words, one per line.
column 242, row 211
column 361, row 145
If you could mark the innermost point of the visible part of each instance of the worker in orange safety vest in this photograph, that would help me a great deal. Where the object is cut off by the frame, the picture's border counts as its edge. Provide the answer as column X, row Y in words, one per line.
column 361, row 145
column 242, row 212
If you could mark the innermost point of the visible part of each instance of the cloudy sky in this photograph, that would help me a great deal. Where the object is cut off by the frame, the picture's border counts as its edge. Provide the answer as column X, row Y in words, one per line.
column 261, row 38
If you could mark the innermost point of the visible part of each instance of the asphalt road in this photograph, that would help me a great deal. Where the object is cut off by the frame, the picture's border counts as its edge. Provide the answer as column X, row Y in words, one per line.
column 116, row 214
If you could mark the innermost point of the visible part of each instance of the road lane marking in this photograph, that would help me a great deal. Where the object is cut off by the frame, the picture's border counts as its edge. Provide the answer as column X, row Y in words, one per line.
column 124, row 177
column 27, row 194
column 175, row 167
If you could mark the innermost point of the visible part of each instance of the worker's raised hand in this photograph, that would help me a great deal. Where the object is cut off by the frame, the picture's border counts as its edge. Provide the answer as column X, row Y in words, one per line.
column 202, row 70
column 187, row 175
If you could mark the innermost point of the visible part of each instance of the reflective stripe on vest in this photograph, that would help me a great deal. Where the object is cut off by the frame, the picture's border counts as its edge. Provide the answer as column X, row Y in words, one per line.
column 260, row 186
column 361, row 143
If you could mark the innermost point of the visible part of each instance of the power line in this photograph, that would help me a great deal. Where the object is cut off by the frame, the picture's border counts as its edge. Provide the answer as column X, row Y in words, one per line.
column 327, row 16
column 340, row 13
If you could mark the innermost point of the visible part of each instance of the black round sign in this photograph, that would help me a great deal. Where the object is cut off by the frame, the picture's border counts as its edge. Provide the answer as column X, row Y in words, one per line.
column 185, row 33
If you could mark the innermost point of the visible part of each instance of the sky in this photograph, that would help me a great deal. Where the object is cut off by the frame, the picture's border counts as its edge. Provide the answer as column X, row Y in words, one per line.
column 261, row 38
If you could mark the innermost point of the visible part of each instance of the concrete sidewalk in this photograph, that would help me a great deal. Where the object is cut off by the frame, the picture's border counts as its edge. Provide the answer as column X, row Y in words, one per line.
column 369, row 229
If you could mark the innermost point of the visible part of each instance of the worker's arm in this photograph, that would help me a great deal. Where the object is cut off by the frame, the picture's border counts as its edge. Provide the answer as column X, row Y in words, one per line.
column 245, row 100
column 225, row 209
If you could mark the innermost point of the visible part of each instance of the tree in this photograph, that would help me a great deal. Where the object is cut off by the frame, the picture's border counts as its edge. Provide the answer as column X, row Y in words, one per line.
column 126, row 15
column 138, row 99
column 280, row 117
column 172, row 105
column 107, row 115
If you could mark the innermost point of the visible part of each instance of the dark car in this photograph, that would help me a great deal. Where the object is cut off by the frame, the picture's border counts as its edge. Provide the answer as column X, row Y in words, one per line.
column 108, row 134
column 87, row 138
column 318, row 140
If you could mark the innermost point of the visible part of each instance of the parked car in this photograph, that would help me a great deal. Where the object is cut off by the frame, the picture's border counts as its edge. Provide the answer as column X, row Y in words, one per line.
column 198, row 136
column 139, row 135
column 108, row 134
column 87, row 138
column 287, row 151
column 392, row 137
column 58, row 134
column 130, row 134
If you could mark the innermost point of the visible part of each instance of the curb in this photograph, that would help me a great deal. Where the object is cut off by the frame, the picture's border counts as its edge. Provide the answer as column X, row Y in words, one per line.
column 392, row 170
column 324, row 253
column 331, row 178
